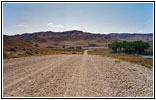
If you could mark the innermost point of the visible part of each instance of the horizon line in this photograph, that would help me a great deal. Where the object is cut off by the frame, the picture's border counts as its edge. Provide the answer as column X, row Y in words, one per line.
column 83, row 31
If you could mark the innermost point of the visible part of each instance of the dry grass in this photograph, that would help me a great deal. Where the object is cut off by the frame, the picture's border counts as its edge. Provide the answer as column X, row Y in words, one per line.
column 91, row 53
column 137, row 60
column 14, row 48
column 117, row 61
column 42, row 52
column 126, row 57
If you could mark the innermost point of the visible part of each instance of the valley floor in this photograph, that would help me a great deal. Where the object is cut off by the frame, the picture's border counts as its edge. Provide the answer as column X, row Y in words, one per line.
column 75, row 76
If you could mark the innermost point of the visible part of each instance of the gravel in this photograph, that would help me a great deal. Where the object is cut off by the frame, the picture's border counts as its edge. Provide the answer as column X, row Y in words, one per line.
column 75, row 76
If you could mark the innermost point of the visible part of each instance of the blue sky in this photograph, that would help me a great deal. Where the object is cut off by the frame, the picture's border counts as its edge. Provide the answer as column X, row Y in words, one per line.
column 100, row 18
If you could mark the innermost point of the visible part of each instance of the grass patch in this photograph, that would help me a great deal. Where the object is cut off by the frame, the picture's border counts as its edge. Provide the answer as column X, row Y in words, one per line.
column 91, row 53
column 117, row 61
column 145, row 64
column 133, row 58
column 132, row 69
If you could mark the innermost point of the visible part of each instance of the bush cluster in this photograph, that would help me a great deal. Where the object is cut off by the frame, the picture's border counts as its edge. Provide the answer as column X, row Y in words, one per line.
column 129, row 47
column 76, row 48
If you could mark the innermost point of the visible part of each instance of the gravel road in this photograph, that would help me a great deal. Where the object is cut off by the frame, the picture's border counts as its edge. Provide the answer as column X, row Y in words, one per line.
column 75, row 76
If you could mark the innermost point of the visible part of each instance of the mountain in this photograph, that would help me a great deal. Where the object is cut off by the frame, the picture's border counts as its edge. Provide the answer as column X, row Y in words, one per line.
column 67, row 38
column 77, row 38
column 133, row 36
column 39, row 42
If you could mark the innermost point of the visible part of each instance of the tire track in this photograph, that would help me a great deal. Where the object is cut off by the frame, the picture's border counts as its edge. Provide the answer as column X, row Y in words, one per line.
column 24, row 70
column 57, row 85
column 76, row 76
column 22, row 80
column 11, row 63
column 76, row 85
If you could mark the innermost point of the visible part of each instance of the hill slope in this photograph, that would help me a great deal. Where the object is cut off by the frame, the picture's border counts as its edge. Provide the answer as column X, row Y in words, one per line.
column 14, row 47
column 133, row 36
column 77, row 38
column 68, row 38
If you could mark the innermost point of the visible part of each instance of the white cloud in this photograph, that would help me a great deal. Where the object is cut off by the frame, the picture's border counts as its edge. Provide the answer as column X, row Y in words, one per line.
column 58, row 26
column 50, row 24
column 75, row 28
column 55, row 26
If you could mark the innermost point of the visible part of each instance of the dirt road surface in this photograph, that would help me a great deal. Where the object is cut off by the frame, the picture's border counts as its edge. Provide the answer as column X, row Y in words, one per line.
column 75, row 76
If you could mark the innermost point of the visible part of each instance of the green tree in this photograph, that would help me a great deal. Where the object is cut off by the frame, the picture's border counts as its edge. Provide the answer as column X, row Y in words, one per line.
column 71, row 47
column 140, row 46
column 129, row 47
column 113, row 46
column 78, row 48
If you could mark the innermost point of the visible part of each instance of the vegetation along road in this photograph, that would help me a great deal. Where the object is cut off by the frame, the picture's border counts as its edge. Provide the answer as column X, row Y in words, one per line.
column 75, row 76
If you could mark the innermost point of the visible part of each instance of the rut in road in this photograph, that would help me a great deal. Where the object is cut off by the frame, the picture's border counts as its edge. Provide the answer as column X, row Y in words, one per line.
column 75, row 76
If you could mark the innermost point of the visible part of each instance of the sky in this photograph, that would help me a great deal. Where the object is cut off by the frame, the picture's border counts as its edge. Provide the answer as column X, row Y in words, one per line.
column 100, row 18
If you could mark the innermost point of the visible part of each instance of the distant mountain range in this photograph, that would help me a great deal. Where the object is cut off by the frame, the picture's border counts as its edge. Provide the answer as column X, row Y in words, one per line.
column 133, row 36
column 76, row 38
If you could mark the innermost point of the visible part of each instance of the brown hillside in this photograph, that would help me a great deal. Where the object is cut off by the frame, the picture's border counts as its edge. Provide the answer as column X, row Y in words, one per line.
column 67, row 38
column 14, row 47
column 51, row 39
column 15, row 43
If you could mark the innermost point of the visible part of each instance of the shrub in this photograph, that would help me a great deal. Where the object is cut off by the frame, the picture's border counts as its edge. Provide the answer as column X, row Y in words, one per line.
column 73, row 52
column 146, row 65
column 12, row 49
column 117, row 61
column 36, row 52
column 79, row 48
column 76, row 48
column 63, row 46
column 36, row 45
column 28, row 52
column 71, row 47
